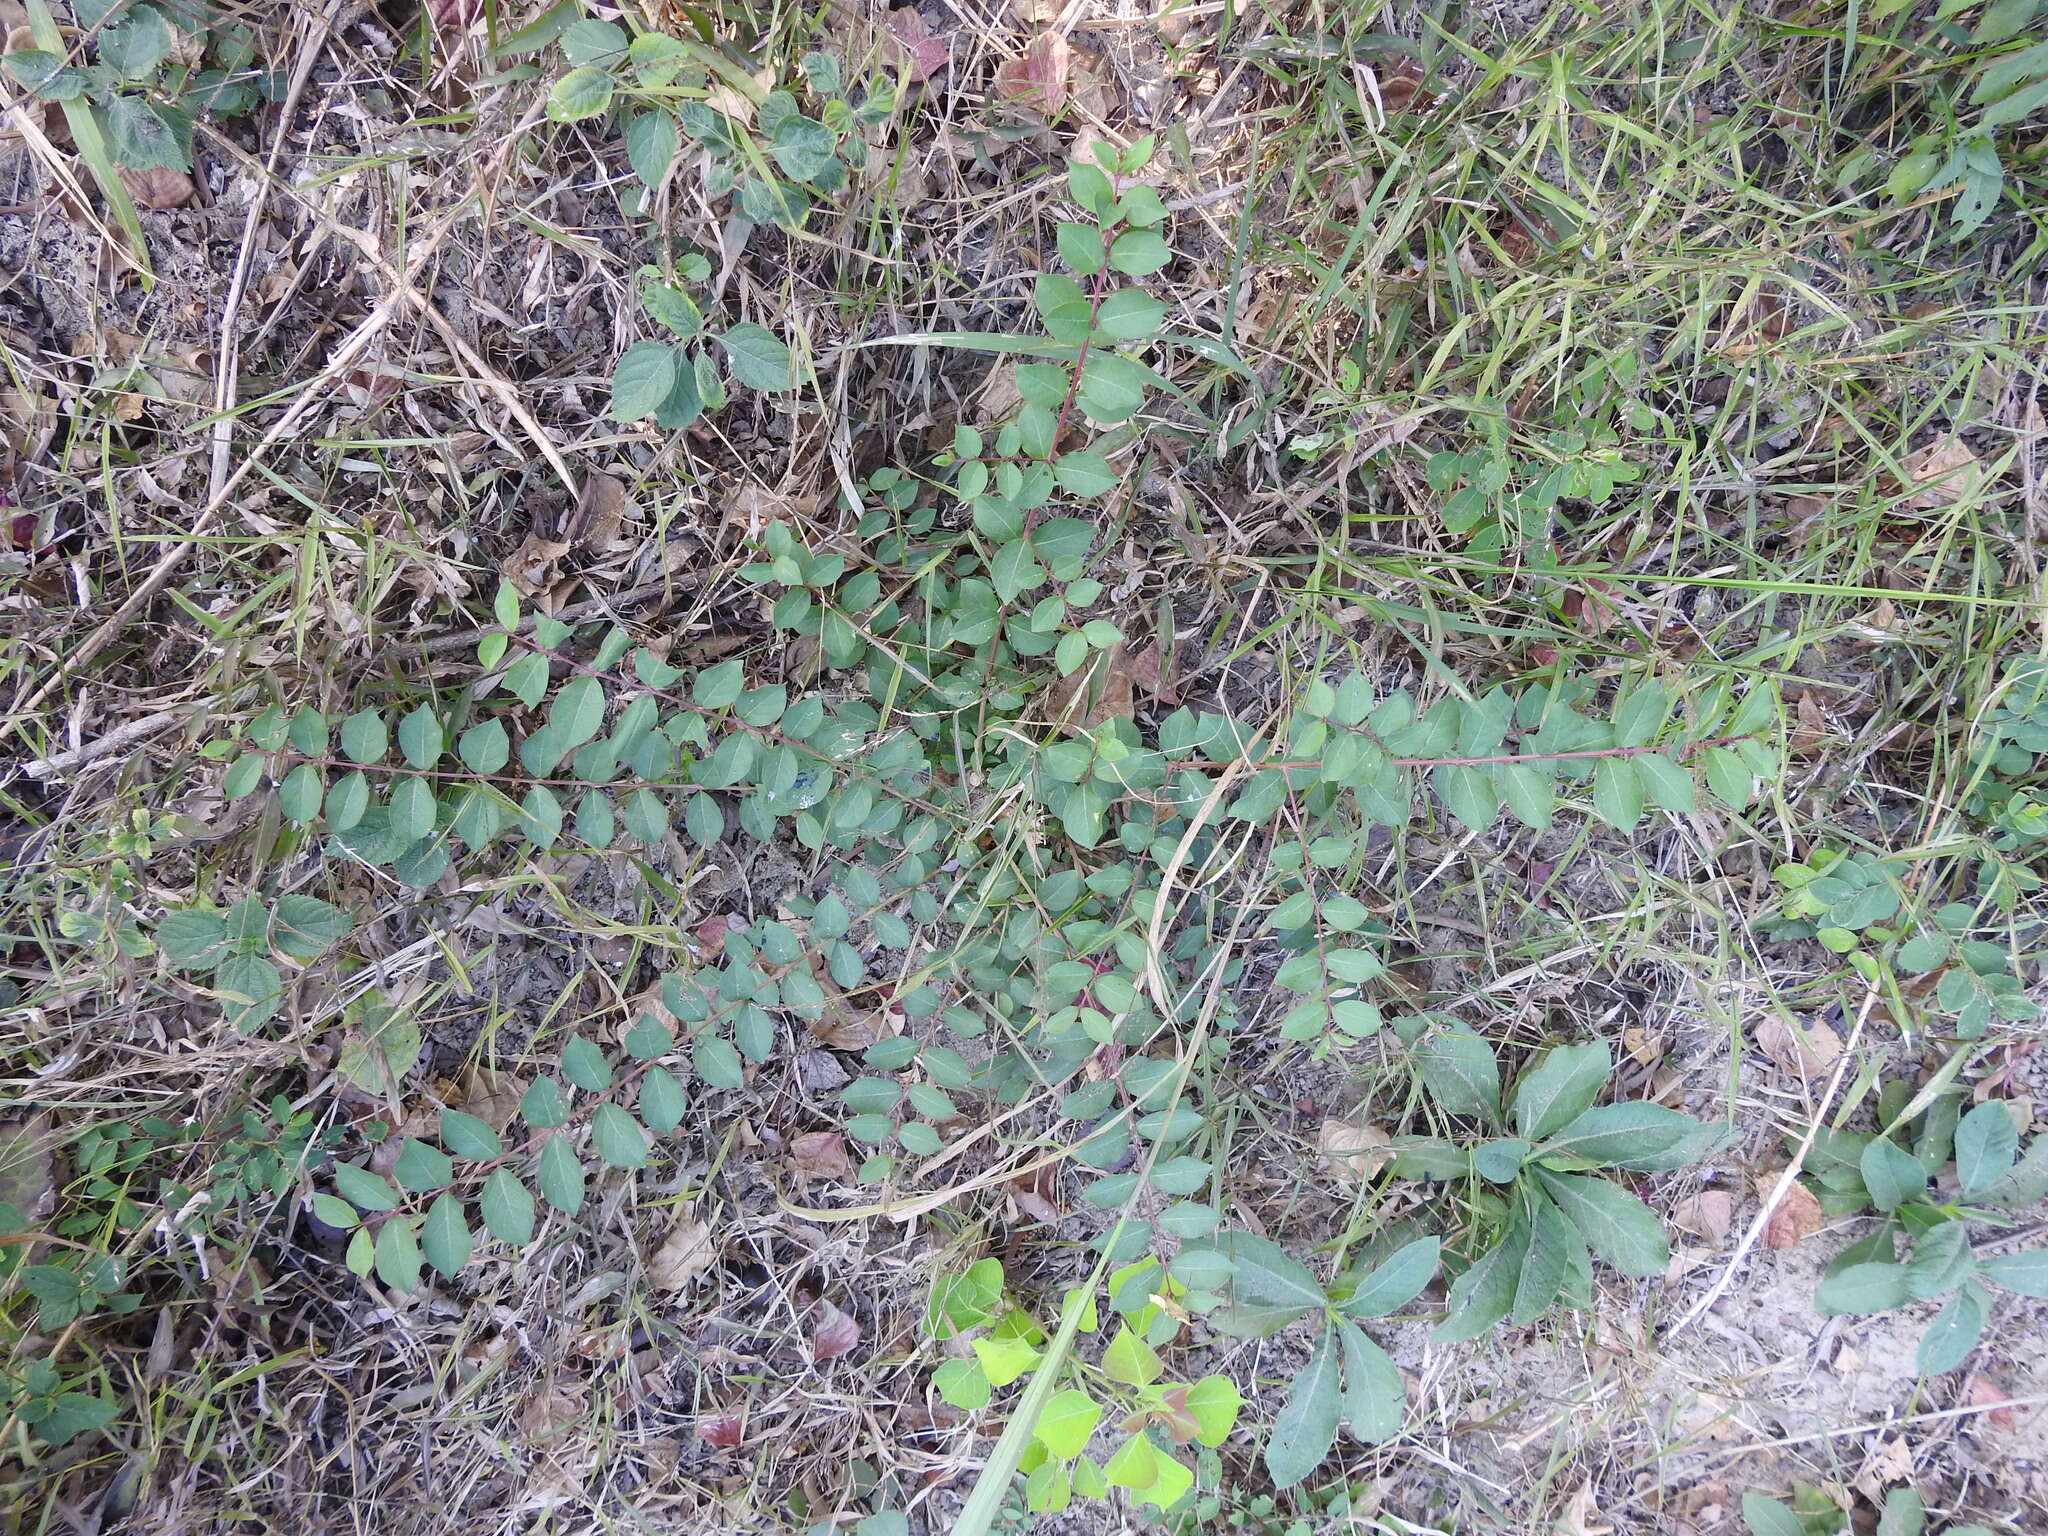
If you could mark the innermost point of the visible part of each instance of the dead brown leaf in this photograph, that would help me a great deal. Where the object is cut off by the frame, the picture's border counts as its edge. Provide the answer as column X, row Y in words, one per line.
column 1707, row 1214
column 833, row 1334
column 1150, row 675
column 911, row 41
column 532, row 566
column 1796, row 1217
column 1098, row 691
column 1581, row 1516
column 157, row 187
column 821, row 1155
column 1353, row 1152
column 1986, row 1390
column 1037, row 77
column 1808, row 1056
column 1943, row 473
column 720, row 1429
column 686, row 1254
column 1033, row 1193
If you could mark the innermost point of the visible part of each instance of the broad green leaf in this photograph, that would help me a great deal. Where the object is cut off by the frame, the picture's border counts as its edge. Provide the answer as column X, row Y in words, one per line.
column 1954, row 1331
column 1129, row 314
column 542, row 1105
column 1004, row 1358
column 1375, row 1398
column 1529, row 791
column 398, row 1255
column 335, row 1211
column 581, row 93
column 584, row 1065
column 1618, row 793
column 561, row 1176
column 1131, row 1360
column 2026, row 1272
column 468, row 1137
column 1546, row 1264
column 507, row 1207
column 363, row 1189
column 192, row 939
column 1559, row 1089
column 758, row 358
column 1080, row 247
column 714, row 1059
column 963, row 1384
column 1615, row 1224
column 1306, row 1426
column 299, row 796
column 1482, row 1295
column 1469, row 793
column 1622, row 1135
column 1767, row 1517
column 1986, row 1143
column 420, row 737
column 413, row 810
column 617, row 1136
column 1460, row 1072
column 484, row 748
column 1066, row 1423
column 1941, row 1260
column 577, row 712
column 1396, row 1281
column 305, row 926
column 661, row 1100
column 421, row 1167
column 1861, row 1289
column 2024, row 1184
column 1729, row 777
column 1084, row 473
column 444, row 1236
column 1134, row 1466
column 1139, row 252
column 1668, row 786
column 1891, row 1174
column 250, row 990
column 651, row 144
column 1268, row 1289
column 1903, row 1515
column 347, row 801
column 1213, row 1402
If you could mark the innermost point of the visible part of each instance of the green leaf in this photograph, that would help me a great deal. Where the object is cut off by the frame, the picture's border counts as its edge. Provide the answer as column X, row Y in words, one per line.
column 1080, row 247
column 1396, row 1281
column 1137, row 252
column 1004, row 1358
column 421, row 1167
column 1548, row 1262
column 1923, row 952
column 714, row 1059
column 542, row 1105
column 363, row 1189
column 561, row 1176
column 1067, row 1422
column 507, row 1207
column 1615, row 1224
column 1767, row 1517
column 962, row 1384
column 2025, row 1273
column 661, row 1100
column 758, row 358
column 1112, row 388
column 192, row 939
column 1729, row 777
column 1634, row 1136
column 1482, row 1295
column 361, row 1256
column 484, row 748
column 642, row 379
column 468, row 1137
column 143, row 135
column 1085, row 474
column 1668, row 786
column 1891, row 1174
column 1470, row 793
column 1306, row 1426
column 1559, row 1089
column 1986, row 1143
column 1941, row 1260
column 581, row 93
column 1459, row 1070
column 250, row 990
column 420, row 737
column 617, row 1136
column 444, row 1236
column 1213, row 1402
column 577, row 713
column 1134, row 1466
column 716, row 687
column 584, row 1065
column 1129, row 314
column 242, row 777
column 1530, row 792
column 1129, row 1359
column 1860, row 1289
column 1268, row 1289
column 1904, row 1514
column 1375, row 1398
column 1618, row 793
column 305, row 926
column 651, row 143
column 398, row 1255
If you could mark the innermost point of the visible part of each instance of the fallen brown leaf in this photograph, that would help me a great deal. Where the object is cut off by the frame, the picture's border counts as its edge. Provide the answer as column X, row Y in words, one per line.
column 1033, row 1193
column 1807, row 1057
column 1796, row 1217
column 1943, row 473
column 1353, row 1152
column 684, row 1255
column 1098, row 691
column 821, row 1155
column 531, row 567
column 1984, row 1391
column 1037, row 77
column 157, row 188
column 912, row 42
column 1707, row 1214
column 1581, row 1516
column 1150, row 675
column 835, row 1333
column 720, row 1429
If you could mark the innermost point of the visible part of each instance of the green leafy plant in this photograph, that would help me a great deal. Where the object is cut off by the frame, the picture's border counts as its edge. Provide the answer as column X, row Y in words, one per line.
column 755, row 143
column 1158, row 1419
column 142, row 95
column 55, row 1410
column 1890, row 1173
column 1348, row 1379
column 233, row 950
column 1813, row 1512
column 1531, row 1169
column 676, row 382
